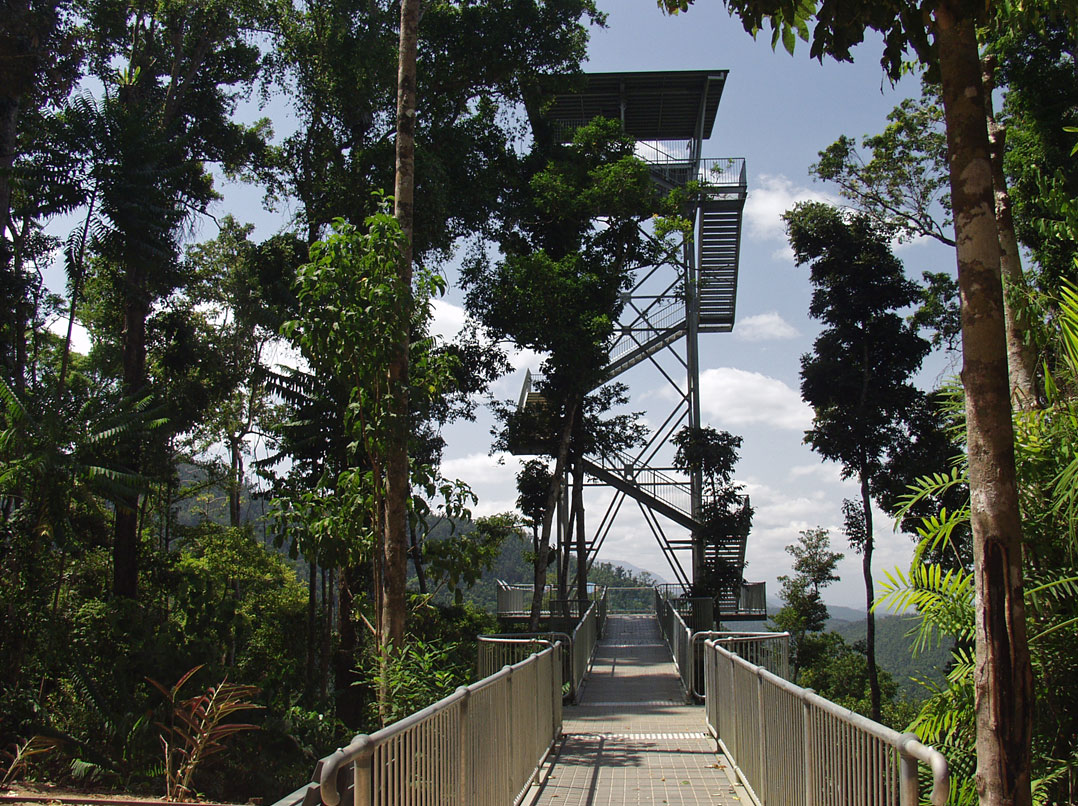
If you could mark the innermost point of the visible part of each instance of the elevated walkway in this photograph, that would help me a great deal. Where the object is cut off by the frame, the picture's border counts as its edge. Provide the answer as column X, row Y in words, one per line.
column 632, row 735
column 631, row 738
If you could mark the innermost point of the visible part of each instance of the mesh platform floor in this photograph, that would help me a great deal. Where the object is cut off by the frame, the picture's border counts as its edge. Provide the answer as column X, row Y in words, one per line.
column 632, row 739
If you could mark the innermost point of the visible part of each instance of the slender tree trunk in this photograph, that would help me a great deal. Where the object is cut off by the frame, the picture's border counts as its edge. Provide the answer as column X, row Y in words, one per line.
column 125, row 539
column 581, row 538
column 417, row 559
column 397, row 479
column 542, row 560
column 312, row 633
column 235, row 481
column 327, row 629
column 870, row 599
column 549, row 507
column 9, row 118
column 78, row 267
column 1021, row 356
column 1003, row 680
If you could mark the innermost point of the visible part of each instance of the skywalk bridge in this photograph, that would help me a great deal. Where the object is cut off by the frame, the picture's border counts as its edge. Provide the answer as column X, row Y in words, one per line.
column 633, row 730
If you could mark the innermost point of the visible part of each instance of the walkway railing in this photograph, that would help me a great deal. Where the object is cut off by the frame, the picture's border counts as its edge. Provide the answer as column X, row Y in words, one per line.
column 770, row 650
column 497, row 650
column 481, row 745
column 791, row 746
column 515, row 600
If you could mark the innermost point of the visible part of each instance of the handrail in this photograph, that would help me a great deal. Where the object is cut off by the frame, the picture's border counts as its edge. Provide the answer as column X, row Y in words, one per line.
column 769, row 649
column 678, row 637
column 483, row 744
column 790, row 745
column 581, row 643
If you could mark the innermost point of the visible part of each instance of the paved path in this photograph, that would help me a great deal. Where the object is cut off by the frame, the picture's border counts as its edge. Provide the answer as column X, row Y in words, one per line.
column 632, row 739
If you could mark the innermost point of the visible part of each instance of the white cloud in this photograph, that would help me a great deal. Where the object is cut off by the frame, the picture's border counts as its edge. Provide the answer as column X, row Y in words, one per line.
column 481, row 468
column 768, row 326
column 736, row 397
column 448, row 319
column 772, row 196
column 828, row 472
column 80, row 336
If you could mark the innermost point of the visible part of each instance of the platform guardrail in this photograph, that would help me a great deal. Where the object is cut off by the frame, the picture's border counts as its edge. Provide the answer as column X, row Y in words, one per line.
column 481, row 745
column 791, row 746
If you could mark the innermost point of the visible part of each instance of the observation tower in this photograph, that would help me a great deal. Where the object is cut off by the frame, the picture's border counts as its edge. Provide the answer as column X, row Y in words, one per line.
column 693, row 291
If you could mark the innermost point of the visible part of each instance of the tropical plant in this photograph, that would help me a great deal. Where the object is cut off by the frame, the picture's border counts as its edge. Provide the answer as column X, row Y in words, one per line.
column 20, row 753
column 197, row 728
column 943, row 594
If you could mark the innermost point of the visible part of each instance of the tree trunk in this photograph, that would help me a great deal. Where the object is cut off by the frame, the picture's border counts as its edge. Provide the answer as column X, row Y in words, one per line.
column 870, row 599
column 235, row 481
column 346, row 679
column 581, row 539
column 327, row 628
column 1003, row 680
column 1021, row 357
column 125, row 539
column 549, row 507
column 312, row 633
column 397, row 479
column 417, row 559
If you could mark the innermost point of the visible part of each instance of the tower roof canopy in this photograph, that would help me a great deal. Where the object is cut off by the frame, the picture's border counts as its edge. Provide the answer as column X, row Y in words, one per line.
column 662, row 105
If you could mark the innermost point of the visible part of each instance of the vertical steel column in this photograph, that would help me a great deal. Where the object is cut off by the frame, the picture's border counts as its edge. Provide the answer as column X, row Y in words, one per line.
column 692, row 360
column 693, row 256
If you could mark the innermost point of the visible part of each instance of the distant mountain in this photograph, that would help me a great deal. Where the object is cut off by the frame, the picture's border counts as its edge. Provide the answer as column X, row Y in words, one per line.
column 894, row 652
column 836, row 613
column 635, row 570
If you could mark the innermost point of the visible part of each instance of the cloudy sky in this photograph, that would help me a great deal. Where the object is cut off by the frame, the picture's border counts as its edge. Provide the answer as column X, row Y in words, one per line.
column 778, row 112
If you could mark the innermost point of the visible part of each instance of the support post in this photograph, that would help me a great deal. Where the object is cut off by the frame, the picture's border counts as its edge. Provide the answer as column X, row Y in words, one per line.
column 465, row 748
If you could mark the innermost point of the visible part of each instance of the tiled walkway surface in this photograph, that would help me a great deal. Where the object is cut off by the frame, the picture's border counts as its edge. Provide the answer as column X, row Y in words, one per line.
column 632, row 739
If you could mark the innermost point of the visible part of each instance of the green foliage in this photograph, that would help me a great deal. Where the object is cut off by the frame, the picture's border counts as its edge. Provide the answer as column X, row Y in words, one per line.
column 416, row 675
column 458, row 561
column 725, row 511
column 860, row 398
column 904, row 186
column 940, row 586
column 803, row 611
column 838, row 671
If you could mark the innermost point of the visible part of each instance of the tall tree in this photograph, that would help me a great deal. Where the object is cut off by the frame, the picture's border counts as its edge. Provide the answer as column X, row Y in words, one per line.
column 803, row 610
column 398, row 484
column 905, row 185
column 557, row 287
column 944, row 37
column 858, row 377
column 726, row 513
column 166, row 112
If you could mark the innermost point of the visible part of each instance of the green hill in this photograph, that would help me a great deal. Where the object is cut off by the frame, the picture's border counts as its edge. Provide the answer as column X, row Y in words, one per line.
column 893, row 652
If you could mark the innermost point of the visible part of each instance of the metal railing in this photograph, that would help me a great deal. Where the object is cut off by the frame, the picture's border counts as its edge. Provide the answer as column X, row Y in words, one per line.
column 630, row 600
column 481, row 745
column 768, row 649
column 496, row 650
column 670, row 490
column 791, row 746
column 515, row 599
column 678, row 637
column 659, row 316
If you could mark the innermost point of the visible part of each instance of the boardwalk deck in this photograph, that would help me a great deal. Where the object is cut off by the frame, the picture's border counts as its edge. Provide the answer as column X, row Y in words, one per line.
column 632, row 739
